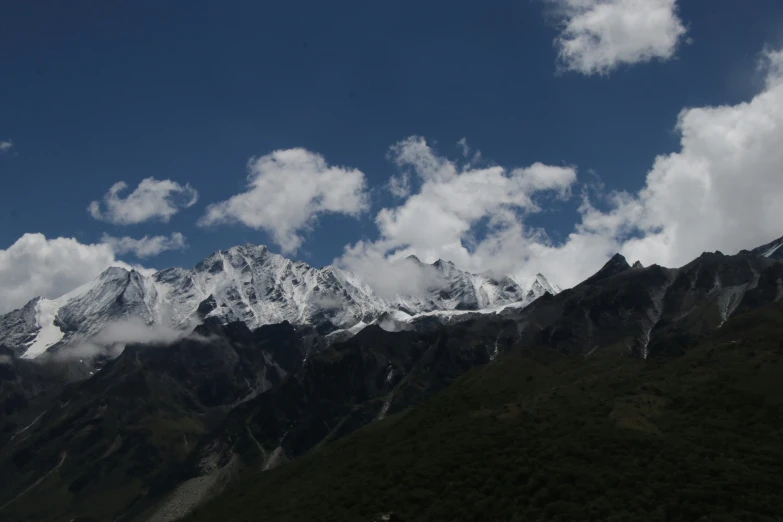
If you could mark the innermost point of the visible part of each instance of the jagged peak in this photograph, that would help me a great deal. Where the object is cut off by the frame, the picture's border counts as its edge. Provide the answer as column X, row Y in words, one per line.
column 550, row 287
column 440, row 262
column 221, row 288
column 541, row 278
column 638, row 264
column 115, row 271
column 617, row 258
column 616, row 265
column 711, row 255
column 248, row 247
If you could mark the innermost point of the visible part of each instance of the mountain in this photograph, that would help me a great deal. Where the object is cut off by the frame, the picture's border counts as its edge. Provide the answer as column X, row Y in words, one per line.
column 118, row 438
column 250, row 284
column 652, row 311
column 773, row 250
column 595, row 384
column 539, row 435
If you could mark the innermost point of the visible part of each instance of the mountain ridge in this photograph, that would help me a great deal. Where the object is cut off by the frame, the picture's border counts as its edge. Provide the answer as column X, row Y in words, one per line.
column 251, row 284
column 185, row 417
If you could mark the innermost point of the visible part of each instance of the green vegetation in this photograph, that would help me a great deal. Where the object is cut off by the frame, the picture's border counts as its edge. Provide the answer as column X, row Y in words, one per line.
column 537, row 436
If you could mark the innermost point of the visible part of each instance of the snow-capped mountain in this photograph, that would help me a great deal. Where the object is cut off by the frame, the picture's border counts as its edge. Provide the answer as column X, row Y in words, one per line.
column 247, row 283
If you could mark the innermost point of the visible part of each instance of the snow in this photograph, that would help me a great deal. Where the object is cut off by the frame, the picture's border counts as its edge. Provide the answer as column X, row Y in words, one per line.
column 549, row 287
column 251, row 284
column 772, row 250
column 49, row 334
column 45, row 314
column 358, row 327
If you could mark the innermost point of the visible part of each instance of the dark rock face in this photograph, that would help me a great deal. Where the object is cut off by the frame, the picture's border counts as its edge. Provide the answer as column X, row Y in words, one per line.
column 353, row 383
column 616, row 265
column 612, row 312
column 140, row 416
column 22, row 382
column 651, row 311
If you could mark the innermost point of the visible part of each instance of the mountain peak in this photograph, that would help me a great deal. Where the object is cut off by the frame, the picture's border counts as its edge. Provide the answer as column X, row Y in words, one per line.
column 616, row 265
column 440, row 262
column 249, row 247
column 248, row 283
column 541, row 285
column 113, row 272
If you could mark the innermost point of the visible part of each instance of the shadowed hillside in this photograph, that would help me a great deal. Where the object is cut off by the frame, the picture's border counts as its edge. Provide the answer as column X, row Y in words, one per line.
column 540, row 436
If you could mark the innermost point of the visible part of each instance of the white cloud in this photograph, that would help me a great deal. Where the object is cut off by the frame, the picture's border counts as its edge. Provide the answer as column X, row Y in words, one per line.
column 464, row 147
column 147, row 246
column 771, row 63
column 400, row 186
column 723, row 190
column 113, row 338
column 597, row 36
column 6, row 145
column 287, row 191
column 152, row 199
column 35, row 266
column 439, row 220
column 388, row 274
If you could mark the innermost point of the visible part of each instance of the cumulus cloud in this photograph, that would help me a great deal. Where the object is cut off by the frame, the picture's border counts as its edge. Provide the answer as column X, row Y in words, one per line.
column 722, row 190
column 771, row 63
column 35, row 265
column 597, row 36
column 287, row 191
column 6, row 145
column 147, row 246
column 440, row 220
column 389, row 273
column 152, row 200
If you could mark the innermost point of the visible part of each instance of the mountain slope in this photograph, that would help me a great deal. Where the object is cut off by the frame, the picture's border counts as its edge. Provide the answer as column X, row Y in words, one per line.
column 772, row 250
column 650, row 311
column 119, row 438
column 541, row 436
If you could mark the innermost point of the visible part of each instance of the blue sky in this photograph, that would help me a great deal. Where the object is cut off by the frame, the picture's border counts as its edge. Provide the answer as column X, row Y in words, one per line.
column 93, row 94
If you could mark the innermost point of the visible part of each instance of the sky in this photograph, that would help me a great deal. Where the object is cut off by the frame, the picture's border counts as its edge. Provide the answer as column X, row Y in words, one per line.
column 513, row 137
